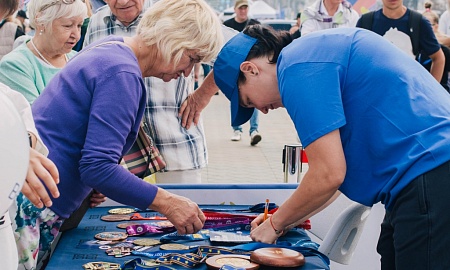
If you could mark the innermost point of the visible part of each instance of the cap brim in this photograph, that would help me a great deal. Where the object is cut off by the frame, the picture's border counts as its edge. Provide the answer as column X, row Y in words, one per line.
column 226, row 74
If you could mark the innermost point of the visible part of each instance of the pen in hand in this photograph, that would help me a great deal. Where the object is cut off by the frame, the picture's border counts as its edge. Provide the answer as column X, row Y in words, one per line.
column 266, row 209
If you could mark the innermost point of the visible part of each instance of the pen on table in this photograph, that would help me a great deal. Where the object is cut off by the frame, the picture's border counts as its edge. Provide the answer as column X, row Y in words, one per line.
column 266, row 209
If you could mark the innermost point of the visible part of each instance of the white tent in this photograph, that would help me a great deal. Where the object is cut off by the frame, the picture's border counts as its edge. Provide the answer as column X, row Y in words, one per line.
column 260, row 10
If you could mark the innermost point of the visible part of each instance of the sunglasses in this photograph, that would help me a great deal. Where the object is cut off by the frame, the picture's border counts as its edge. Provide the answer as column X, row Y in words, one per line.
column 67, row 2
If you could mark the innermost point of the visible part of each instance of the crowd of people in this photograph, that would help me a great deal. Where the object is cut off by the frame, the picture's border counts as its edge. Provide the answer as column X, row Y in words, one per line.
column 80, row 128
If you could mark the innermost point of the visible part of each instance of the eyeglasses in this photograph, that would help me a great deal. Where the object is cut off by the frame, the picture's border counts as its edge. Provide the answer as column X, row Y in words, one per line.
column 67, row 2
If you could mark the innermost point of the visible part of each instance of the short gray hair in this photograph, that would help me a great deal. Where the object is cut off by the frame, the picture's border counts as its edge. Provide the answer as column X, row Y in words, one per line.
column 179, row 25
column 60, row 10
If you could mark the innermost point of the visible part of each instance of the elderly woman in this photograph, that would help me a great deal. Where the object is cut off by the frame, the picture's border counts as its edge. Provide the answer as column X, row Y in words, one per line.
column 29, row 68
column 90, row 112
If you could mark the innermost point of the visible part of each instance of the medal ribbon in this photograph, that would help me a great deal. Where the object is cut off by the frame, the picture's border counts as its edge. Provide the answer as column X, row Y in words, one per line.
column 140, row 229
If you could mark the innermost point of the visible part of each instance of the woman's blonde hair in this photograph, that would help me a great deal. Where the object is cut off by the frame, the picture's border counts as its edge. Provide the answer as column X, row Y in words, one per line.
column 53, row 12
column 175, row 26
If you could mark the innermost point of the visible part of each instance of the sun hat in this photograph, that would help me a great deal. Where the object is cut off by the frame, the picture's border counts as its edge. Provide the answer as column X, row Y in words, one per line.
column 226, row 74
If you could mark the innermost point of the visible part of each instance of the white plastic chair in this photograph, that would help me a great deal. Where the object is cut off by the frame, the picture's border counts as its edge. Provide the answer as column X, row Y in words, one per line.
column 339, row 227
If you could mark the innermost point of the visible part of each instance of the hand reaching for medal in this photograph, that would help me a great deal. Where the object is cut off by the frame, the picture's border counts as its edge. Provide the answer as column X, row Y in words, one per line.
column 184, row 214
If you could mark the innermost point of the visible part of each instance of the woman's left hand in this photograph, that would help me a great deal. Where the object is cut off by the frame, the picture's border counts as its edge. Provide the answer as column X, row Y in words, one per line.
column 262, row 231
column 97, row 198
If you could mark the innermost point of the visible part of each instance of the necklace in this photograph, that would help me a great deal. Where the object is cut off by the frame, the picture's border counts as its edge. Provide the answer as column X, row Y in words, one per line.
column 41, row 56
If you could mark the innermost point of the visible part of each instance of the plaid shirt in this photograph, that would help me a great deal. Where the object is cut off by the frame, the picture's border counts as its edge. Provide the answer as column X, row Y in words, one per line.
column 182, row 149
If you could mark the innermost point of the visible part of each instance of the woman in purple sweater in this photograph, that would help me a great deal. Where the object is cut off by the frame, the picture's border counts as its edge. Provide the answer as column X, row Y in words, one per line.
column 90, row 113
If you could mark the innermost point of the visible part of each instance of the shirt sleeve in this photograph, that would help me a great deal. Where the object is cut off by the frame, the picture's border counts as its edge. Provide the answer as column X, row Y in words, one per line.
column 313, row 103
column 24, row 109
column 308, row 26
column 109, row 127
column 18, row 75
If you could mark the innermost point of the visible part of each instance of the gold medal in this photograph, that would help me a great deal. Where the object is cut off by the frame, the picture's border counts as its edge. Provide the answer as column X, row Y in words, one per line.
column 146, row 242
column 173, row 247
column 121, row 211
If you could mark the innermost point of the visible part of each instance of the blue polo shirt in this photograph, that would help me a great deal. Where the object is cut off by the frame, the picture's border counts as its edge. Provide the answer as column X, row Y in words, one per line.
column 393, row 116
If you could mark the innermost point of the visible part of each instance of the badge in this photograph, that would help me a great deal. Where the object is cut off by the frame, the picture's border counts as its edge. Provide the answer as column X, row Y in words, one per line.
column 173, row 247
column 101, row 266
column 119, row 252
column 241, row 261
column 121, row 211
column 111, row 236
column 146, row 242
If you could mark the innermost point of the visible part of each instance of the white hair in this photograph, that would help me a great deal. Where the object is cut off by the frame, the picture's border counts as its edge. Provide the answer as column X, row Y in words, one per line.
column 176, row 26
column 59, row 10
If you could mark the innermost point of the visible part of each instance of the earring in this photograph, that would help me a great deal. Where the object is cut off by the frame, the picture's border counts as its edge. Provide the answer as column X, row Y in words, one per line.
column 40, row 32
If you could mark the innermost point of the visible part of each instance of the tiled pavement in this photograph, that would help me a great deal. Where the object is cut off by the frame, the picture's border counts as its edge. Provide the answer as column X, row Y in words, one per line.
column 239, row 162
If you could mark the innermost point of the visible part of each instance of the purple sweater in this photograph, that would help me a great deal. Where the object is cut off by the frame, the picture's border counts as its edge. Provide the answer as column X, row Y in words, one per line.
column 88, row 116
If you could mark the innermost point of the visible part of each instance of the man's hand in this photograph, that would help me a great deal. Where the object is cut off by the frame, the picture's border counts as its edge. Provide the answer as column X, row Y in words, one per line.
column 184, row 214
column 40, row 168
column 191, row 108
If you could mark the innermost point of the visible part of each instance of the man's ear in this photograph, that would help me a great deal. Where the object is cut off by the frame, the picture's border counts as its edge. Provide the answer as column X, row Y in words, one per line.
column 249, row 68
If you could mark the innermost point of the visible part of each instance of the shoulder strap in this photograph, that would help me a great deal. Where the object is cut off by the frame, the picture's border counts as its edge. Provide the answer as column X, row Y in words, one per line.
column 415, row 19
column 366, row 20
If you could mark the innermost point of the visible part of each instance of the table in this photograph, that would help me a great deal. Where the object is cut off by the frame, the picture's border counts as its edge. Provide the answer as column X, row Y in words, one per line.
column 71, row 251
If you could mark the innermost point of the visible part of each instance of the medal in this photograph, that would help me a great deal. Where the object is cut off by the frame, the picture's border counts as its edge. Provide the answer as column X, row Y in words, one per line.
column 278, row 257
column 146, row 242
column 111, row 236
column 241, row 261
column 173, row 247
column 121, row 211
column 115, row 217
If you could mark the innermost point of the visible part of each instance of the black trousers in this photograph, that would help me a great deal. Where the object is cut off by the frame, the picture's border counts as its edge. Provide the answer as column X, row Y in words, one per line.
column 415, row 234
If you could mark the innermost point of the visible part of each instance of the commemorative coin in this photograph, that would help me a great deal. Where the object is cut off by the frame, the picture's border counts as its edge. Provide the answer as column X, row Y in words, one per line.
column 111, row 236
column 173, row 247
column 121, row 211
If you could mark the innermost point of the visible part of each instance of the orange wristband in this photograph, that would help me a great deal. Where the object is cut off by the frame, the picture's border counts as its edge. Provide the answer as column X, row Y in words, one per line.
column 273, row 227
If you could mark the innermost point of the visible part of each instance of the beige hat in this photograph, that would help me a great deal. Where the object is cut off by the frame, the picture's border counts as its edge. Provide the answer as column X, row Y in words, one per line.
column 240, row 3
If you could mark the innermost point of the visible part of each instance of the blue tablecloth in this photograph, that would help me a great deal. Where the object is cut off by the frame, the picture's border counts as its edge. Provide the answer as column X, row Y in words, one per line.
column 71, row 251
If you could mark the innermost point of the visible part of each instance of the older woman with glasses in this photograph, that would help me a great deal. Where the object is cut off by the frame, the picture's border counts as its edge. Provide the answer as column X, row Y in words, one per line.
column 29, row 68
column 90, row 113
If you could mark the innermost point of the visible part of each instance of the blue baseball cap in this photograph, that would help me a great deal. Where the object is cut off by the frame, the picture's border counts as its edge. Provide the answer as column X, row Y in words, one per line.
column 226, row 74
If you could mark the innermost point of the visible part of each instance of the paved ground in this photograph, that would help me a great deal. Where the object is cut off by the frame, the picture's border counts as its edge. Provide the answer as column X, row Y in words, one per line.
column 231, row 162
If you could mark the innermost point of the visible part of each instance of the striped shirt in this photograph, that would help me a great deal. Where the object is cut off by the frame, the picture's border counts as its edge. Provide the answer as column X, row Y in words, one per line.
column 182, row 149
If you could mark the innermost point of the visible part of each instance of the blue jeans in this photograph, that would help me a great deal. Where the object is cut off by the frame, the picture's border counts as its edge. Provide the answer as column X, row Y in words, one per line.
column 253, row 123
